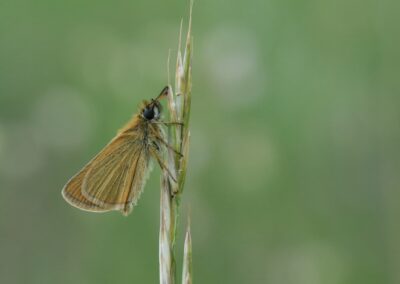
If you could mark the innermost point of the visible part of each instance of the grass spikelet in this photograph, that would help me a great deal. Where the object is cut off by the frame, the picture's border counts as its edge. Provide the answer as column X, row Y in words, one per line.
column 187, row 257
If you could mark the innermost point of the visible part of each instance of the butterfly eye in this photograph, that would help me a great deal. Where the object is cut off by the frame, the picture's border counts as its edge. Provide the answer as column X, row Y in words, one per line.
column 148, row 113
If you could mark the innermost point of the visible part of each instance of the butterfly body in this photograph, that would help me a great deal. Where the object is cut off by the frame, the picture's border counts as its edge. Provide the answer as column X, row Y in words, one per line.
column 114, row 178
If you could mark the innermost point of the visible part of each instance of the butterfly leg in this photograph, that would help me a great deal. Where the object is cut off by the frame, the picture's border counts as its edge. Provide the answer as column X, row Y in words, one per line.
column 170, row 147
column 170, row 123
column 159, row 138
column 162, row 164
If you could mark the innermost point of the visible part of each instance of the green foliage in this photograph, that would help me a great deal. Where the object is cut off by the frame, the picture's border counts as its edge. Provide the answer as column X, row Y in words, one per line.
column 294, row 162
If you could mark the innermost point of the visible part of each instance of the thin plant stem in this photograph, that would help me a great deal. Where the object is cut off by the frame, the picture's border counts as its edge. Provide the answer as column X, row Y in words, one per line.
column 179, row 103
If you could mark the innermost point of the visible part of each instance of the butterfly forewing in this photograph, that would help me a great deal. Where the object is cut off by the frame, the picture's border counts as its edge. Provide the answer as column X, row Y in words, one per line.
column 116, row 177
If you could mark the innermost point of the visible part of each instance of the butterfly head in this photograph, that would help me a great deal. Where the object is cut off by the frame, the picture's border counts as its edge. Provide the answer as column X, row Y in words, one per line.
column 152, row 110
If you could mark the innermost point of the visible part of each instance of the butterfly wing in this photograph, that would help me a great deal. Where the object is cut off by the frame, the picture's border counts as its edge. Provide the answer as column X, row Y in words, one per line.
column 117, row 175
column 72, row 193
column 114, row 179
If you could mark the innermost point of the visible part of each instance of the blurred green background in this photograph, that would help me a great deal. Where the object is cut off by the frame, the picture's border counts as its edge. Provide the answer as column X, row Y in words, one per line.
column 294, row 163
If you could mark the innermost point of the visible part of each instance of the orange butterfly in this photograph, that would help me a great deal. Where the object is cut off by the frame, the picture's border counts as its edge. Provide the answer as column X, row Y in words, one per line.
column 114, row 178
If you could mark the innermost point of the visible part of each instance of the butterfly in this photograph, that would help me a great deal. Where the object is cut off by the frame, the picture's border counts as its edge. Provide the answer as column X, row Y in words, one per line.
column 115, row 177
